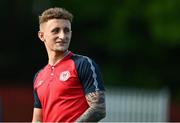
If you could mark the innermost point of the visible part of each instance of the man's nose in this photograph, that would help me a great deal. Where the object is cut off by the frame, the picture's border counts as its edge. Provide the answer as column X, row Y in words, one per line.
column 61, row 35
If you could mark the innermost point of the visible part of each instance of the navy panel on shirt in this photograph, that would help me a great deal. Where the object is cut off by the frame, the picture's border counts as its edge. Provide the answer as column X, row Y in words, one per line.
column 37, row 103
column 88, row 73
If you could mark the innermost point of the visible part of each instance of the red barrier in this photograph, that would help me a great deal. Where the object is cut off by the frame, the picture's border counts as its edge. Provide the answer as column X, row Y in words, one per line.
column 175, row 112
column 17, row 103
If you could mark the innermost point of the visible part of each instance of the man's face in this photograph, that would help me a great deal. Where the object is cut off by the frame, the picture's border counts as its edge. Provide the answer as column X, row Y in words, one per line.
column 56, row 34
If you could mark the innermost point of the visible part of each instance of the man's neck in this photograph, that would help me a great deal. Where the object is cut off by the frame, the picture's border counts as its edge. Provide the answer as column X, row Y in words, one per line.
column 55, row 57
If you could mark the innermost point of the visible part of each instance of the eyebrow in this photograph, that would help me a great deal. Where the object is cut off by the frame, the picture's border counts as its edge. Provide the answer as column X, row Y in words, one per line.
column 67, row 28
column 60, row 28
column 55, row 29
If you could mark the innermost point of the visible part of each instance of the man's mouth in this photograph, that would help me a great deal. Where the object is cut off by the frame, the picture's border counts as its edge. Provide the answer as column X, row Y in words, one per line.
column 61, row 42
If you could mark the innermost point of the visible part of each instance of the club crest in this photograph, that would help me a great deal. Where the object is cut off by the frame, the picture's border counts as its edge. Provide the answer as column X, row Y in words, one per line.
column 64, row 75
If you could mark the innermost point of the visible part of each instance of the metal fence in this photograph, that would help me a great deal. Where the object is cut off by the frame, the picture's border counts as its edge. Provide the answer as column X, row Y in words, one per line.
column 136, row 105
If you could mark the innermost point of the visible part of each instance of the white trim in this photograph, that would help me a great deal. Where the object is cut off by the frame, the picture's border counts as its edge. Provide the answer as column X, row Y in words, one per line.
column 94, row 73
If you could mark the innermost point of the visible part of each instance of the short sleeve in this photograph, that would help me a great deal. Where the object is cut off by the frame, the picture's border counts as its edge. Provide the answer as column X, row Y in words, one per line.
column 37, row 103
column 89, row 74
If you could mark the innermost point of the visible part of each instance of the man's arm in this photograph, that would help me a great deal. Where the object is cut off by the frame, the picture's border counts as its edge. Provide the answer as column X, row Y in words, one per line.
column 37, row 115
column 97, row 109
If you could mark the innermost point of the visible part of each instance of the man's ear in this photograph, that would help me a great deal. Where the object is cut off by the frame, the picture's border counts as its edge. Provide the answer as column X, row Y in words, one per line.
column 41, row 36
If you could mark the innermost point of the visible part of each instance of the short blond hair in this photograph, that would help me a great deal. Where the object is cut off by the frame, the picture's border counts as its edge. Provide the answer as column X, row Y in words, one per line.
column 55, row 13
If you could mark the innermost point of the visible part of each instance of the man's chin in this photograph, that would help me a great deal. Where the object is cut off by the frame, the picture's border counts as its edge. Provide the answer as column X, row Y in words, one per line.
column 61, row 50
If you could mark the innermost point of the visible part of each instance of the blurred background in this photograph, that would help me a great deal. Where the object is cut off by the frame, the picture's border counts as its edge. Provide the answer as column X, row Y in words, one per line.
column 135, row 42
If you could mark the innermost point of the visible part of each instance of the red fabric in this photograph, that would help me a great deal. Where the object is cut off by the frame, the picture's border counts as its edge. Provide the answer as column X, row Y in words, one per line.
column 61, row 94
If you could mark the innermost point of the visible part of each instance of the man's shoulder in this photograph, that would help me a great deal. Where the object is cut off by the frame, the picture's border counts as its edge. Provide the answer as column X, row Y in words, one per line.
column 80, row 58
column 42, row 69
column 83, row 62
column 39, row 72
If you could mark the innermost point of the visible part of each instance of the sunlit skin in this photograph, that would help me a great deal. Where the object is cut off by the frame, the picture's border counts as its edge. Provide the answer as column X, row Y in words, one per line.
column 56, row 35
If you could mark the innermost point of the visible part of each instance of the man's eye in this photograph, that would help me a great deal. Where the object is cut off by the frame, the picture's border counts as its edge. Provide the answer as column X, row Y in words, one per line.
column 56, row 30
column 66, row 30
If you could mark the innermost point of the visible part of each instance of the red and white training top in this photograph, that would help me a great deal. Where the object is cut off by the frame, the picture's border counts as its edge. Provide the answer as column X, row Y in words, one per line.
column 60, row 90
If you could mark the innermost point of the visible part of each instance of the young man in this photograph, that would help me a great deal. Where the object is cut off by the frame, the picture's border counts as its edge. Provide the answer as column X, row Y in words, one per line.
column 69, row 88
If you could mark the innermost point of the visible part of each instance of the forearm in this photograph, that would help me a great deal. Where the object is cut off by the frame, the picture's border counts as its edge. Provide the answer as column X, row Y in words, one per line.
column 36, row 120
column 92, row 115
column 37, row 115
column 97, row 109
